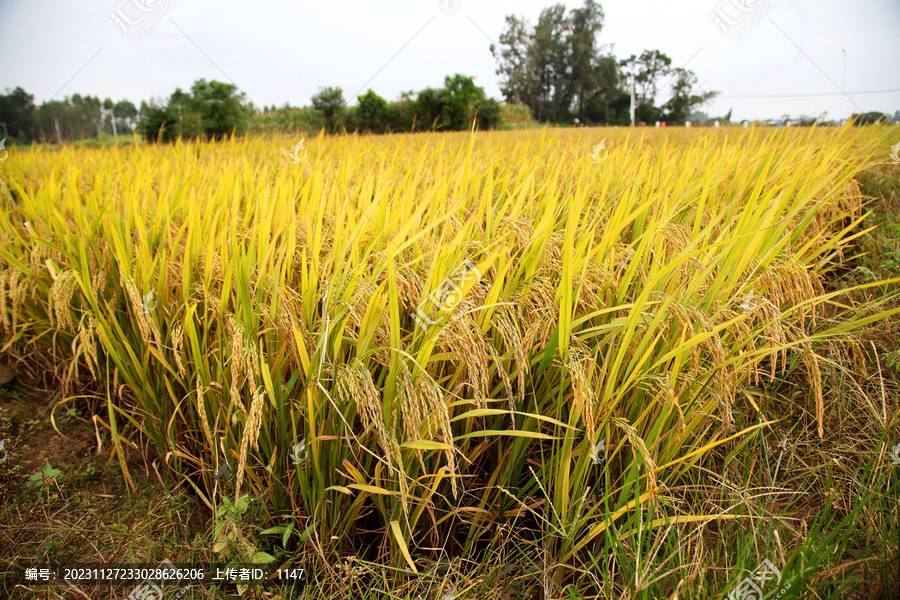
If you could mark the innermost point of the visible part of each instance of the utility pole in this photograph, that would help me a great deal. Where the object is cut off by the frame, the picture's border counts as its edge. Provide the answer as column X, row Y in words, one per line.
column 844, row 84
column 632, row 102
column 112, row 119
column 5, row 133
column 58, row 137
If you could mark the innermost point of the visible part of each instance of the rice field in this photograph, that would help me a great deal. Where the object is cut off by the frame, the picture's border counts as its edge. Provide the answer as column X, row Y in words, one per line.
column 412, row 348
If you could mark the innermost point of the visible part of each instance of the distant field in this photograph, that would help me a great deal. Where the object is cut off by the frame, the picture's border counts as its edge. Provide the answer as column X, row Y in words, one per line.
column 520, row 348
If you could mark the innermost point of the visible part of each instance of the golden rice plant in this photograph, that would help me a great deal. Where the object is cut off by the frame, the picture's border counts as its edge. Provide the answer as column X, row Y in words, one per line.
column 464, row 330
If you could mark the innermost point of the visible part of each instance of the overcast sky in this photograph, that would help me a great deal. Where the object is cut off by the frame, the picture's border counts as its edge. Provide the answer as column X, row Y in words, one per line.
column 279, row 51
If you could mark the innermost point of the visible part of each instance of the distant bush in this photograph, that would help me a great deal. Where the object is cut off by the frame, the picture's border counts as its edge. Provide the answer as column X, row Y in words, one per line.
column 869, row 118
column 373, row 114
column 515, row 115
column 287, row 120
column 215, row 110
column 211, row 110
column 219, row 107
column 158, row 123
column 489, row 114
column 329, row 103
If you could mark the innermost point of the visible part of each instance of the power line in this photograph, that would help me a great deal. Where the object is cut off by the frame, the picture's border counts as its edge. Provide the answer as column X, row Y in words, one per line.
column 804, row 95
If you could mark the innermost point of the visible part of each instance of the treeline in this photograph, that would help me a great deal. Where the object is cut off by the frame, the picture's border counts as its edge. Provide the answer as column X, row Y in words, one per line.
column 212, row 110
column 456, row 106
column 869, row 118
column 558, row 69
column 554, row 71
column 75, row 118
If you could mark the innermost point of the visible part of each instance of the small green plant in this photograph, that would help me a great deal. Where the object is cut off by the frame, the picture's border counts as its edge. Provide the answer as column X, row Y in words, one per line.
column 90, row 472
column 892, row 258
column 229, row 522
column 44, row 476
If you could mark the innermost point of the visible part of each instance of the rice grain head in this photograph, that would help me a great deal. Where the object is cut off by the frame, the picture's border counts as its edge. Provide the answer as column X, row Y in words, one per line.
column 251, row 435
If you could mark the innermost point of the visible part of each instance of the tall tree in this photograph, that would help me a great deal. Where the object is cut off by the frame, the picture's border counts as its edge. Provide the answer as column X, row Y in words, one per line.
column 48, row 115
column 329, row 102
column 17, row 113
column 606, row 102
column 460, row 99
column 373, row 113
column 684, row 100
column 587, row 72
column 557, row 69
column 159, row 122
column 515, row 72
column 549, row 58
column 429, row 109
column 647, row 71
column 85, row 115
column 125, row 114
column 220, row 107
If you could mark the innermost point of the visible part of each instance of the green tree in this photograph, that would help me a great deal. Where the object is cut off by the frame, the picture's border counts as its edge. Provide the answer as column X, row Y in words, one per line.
column 489, row 114
column 219, row 107
column 403, row 112
column 108, row 123
column 548, row 56
column 429, row 107
column 125, row 114
column 329, row 102
column 516, row 80
column 607, row 102
column 84, row 117
column 684, row 100
column 555, row 68
column 646, row 72
column 868, row 118
column 17, row 113
column 588, row 74
column 187, row 123
column 460, row 99
column 47, row 115
column 373, row 113
column 158, row 123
